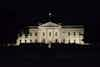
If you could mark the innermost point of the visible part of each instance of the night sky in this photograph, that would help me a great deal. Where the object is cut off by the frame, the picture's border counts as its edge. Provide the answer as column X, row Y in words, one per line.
column 14, row 16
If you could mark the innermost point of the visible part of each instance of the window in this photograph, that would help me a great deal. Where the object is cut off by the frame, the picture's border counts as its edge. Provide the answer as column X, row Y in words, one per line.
column 56, row 40
column 35, row 34
column 68, row 33
column 31, row 41
column 49, row 33
column 74, row 33
column 55, row 33
column 25, row 41
column 43, row 34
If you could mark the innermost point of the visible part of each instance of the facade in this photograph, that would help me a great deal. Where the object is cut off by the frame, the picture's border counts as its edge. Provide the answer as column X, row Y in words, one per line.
column 51, row 32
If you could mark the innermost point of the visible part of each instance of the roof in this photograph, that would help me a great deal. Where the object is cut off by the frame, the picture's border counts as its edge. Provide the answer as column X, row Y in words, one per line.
column 49, row 24
column 73, row 26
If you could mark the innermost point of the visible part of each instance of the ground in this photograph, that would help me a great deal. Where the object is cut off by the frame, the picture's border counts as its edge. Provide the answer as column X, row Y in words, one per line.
column 49, row 56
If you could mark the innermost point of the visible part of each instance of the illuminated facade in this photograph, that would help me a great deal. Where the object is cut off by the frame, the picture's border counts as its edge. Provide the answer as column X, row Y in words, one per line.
column 51, row 32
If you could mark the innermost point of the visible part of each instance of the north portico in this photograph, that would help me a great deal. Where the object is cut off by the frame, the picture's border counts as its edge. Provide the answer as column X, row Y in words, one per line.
column 51, row 32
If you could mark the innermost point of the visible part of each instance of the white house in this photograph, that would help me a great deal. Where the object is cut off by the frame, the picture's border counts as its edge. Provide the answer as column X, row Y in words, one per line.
column 51, row 32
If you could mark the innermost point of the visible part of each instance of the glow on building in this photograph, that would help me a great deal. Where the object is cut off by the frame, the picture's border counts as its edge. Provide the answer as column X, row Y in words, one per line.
column 51, row 32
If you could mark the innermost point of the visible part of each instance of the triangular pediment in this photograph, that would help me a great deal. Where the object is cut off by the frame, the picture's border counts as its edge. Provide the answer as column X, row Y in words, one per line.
column 49, row 24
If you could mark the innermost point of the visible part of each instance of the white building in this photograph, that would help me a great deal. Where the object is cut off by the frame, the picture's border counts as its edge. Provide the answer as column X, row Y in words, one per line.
column 51, row 32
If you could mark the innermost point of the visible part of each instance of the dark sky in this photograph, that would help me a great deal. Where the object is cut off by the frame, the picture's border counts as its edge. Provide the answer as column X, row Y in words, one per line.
column 15, row 15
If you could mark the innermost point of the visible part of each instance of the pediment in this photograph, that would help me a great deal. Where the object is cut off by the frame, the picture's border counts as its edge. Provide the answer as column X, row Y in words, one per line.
column 49, row 24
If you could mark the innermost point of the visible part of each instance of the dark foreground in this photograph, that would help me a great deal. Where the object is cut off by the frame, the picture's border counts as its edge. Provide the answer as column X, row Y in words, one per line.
column 42, row 55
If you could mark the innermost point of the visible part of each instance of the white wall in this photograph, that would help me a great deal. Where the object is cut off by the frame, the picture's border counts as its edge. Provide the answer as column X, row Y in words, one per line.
column 60, row 35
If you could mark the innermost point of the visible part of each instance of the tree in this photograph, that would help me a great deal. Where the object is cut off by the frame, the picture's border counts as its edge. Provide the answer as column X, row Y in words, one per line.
column 26, row 31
